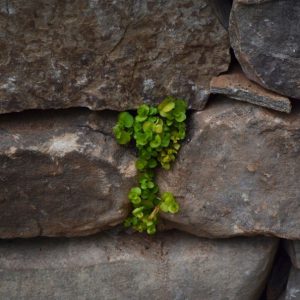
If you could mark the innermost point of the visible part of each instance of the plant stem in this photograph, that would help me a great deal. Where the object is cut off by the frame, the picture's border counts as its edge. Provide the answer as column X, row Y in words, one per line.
column 154, row 212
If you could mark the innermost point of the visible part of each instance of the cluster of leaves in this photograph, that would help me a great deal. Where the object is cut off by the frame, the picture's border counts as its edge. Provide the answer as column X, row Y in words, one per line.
column 157, row 132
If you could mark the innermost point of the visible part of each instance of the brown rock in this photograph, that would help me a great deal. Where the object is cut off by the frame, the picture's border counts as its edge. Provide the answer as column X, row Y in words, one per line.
column 265, row 38
column 237, row 173
column 107, row 54
column 122, row 266
column 61, row 174
column 236, row 86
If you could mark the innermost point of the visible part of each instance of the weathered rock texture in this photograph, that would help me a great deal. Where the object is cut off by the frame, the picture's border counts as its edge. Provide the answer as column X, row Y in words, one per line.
column 61, row 174
column 293, row 287
column 107, row 54
column 237, row 173
column 236, row 86
column 265, row 37
column 122, row 266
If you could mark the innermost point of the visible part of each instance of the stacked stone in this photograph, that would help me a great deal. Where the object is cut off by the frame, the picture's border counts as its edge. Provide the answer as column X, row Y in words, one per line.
column 66, row 68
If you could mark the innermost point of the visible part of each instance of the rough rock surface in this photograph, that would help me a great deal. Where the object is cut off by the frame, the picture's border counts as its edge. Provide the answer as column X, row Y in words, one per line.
column 293, row 249
column 236, row 86
column 237, row 173
column 107, row 54
column 61, row 174
column 293, row 287
column 131, row 266
column 265, row 37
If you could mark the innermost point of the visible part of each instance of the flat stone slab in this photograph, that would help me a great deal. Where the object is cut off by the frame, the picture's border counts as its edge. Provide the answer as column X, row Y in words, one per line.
column 237, row 86
column 59, row 54
column 116, row 265
column 237, row 173
column 62, row 174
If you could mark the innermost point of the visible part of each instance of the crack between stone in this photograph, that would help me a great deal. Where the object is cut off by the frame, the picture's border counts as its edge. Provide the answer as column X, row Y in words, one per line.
column 7, row 6
column 120, row 40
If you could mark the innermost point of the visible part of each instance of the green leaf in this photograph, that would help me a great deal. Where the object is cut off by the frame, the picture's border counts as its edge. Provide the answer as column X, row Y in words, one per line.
column 141, row 138
column 152, row 111
column 164, row 207
column 148, row 126
column 142, row 113
column 156, row 142
column 180, row 117
column 138, row 212
column 126, row 119
column 140, row 118
column 166, row 106
column 152, row 163
column 151, row 230
column 166, row 139
column 136, row 200
column 174, row 207
column 124, row 138
column 135, row 191
column 167, row 197
column 141, row 164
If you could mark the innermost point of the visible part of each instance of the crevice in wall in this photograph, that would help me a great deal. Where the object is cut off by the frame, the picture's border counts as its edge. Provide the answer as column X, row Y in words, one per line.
column 222, row 10
column 277, row 280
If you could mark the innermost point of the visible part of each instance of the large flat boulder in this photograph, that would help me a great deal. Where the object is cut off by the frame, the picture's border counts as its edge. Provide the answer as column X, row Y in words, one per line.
column 133, row 266
column 236, row 85
column 265, row 37
column 238, row 173
column 61, row 174
column 107, row 54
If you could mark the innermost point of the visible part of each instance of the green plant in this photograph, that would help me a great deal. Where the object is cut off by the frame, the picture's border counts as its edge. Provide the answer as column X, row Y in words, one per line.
column 157, row 132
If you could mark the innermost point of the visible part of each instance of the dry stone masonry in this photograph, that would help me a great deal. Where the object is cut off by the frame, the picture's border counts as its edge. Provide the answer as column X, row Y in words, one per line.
column 68, row 67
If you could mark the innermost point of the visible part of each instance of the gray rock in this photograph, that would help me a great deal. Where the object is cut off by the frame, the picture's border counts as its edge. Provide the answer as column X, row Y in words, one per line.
column 61, row 174
column 107, row 54
column 237, row 173
column 116, row 265
column 236, row 86
column 293, row 287
column 265, row 37
column 293, row 249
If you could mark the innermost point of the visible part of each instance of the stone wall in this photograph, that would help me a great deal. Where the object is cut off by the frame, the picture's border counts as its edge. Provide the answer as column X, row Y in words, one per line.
column 68, row 67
